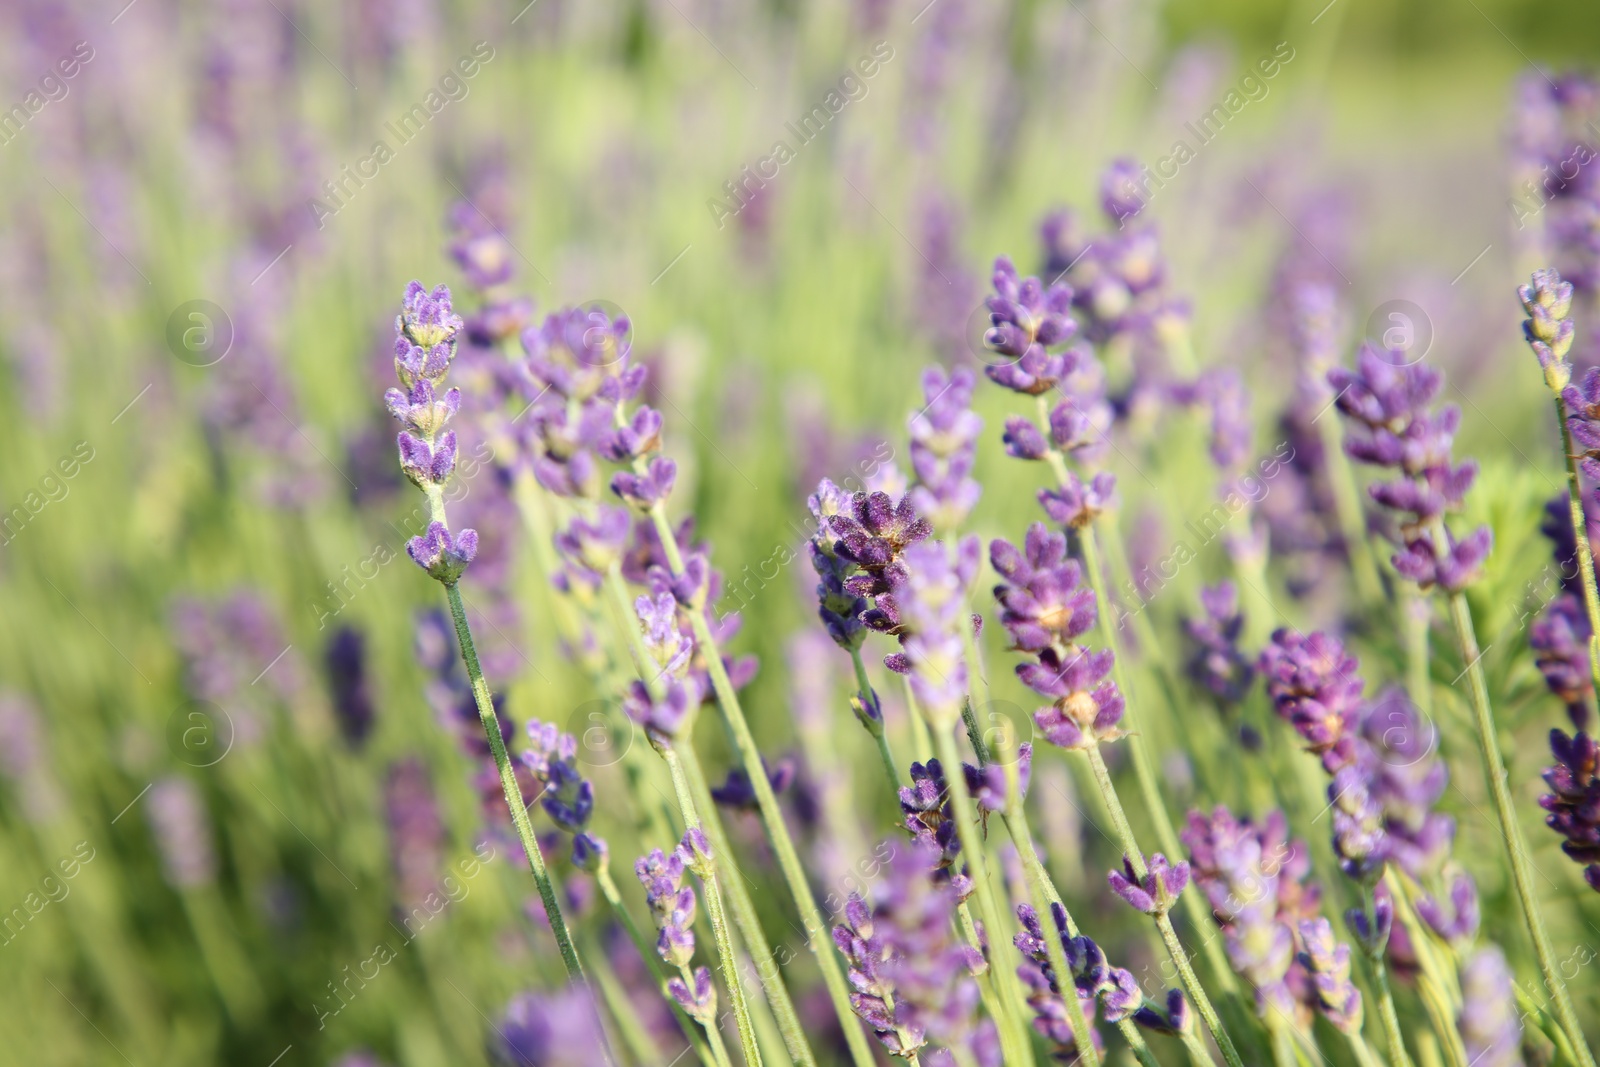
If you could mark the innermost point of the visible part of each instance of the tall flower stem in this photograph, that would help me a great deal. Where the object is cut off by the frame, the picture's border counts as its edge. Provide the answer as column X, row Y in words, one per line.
column 1012, row 1032
column 1380, row 978
column 714, row 910
column 1282, row 1043
column 1494, row 769
column 745, row 916
column 508, row 781
column 1580, row 537
column 647, row 952
column 771, row 815
column 1348, row 511
column 1436, row 982
column 881, row 733
column 1180, row 956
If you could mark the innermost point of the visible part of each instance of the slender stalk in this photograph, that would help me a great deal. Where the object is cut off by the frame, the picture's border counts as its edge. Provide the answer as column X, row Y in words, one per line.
column 719, row 918
column 746, row 919
column 1436, row 984
column 1010, row 996
column 1416, row 613
column 881, row 734
column 1283, row 1053
column 1195, row 1045
column 744, row 910
column 771, row 815
column 1494, row 769
column 1347, row 509
column 652, row 960
column 1580, row 536
column 508, row 782
column 1180, row 956
column 634, row 1035
column 1380, row 978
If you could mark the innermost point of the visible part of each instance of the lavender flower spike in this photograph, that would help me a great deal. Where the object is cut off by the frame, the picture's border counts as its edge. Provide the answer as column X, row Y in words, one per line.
column 426, row 331
column 1154, row 893
column 1573, row 802
column 1329, row 964
column 1548, row 327
column 1490, row 1029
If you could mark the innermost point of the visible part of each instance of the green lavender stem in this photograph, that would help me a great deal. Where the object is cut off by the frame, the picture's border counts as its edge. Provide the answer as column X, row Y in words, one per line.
column 508, row 782
column 634, row 1035
column 1348, row 511
column 1180, row 956
column 1362, row 1051
column 1436, row 984
column 1580, row 536
column 719, row 918
column 880, row 734
column 1494, row 769
column 1380, row 978
column 771, row 815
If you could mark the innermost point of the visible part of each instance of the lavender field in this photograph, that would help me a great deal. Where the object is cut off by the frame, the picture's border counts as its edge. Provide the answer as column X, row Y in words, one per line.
column 658, row 532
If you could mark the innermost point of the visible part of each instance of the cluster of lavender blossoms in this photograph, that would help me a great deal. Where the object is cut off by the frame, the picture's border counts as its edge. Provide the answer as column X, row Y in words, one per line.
column 911, row 979
column 564, row 793
column 1045, row 610
column 672, row 904
column 426, row 332
column 1386, row 401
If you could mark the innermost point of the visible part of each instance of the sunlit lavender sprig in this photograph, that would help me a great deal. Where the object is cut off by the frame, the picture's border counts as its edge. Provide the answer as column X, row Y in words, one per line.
column 672, row 907
column 944, row 445
column 426, row 332
column 1216, row 661
column 1491, row 1029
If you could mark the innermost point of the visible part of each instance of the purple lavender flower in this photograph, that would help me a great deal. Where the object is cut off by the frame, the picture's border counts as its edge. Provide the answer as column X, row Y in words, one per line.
column 346, row 660
column 645, row 491
column 1407, row 778
column 929, row 592
column 1122, row 190
column 1328, row 961
column 672, row 904
column 839, row 608
column 1154, row 893
column 1491, row 1030
column 566, row 795
column 591, row 547
column 1217, row 664
column 1549, row 327
column 415, row 830
column 930, row 817
column 1560, row 642
column 1455, row 921
column 425, row 345
column 1314, row 686
column 737, row 791
column 944, row 442
column 545, row 1030
column 872, row 533
column 182, row 831
column 1573, row 802
column 1091, row 974
column 903, row 952
column 663, row 718
column 1254, row 879
column 1028, row 321
column 1388, row 404
column 988, row 784
column 1045, row 610
column 1077, row 503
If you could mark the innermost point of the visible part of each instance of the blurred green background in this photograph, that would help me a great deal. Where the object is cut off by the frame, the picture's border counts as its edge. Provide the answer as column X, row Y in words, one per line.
column 146, row 596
